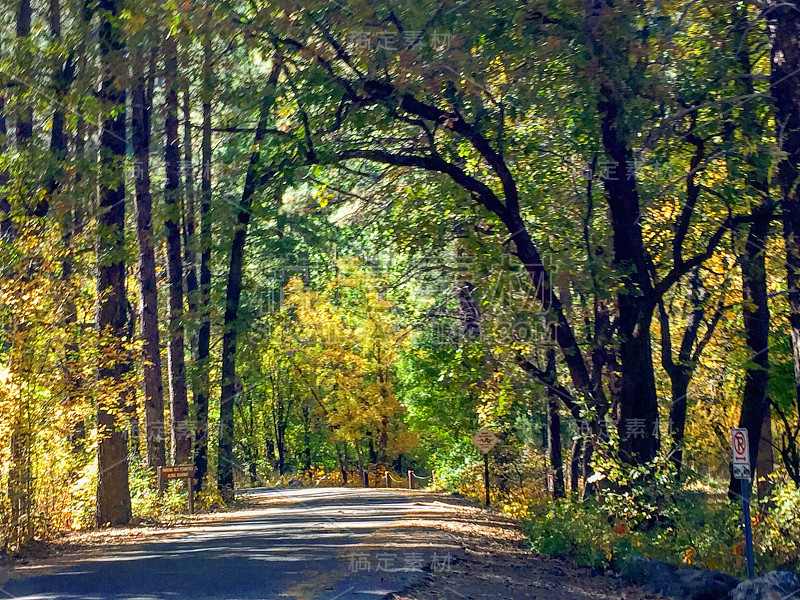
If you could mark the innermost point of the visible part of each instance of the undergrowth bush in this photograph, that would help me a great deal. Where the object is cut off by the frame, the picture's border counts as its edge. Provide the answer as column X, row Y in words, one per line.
column 146, row 503
column 644, row 512
column 778, row 531
column 706, row 534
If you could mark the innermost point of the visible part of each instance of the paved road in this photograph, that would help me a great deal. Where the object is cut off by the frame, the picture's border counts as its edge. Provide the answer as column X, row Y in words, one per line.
column 301, row 544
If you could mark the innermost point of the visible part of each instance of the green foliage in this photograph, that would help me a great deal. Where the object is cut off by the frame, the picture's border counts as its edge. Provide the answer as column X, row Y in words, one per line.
column 778, row 531
column 150, row 506
column 681, row 527
column 704, row 533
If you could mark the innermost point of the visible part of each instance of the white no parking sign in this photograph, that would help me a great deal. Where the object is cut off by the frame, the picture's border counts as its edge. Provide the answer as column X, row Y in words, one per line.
column 740, row 446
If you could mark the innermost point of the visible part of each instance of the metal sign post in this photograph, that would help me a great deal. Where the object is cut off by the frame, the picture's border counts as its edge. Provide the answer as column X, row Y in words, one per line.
column 740, row 446
column 484, row 440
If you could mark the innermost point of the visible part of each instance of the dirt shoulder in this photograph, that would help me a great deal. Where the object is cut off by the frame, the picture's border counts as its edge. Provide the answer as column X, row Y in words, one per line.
column 490, row 559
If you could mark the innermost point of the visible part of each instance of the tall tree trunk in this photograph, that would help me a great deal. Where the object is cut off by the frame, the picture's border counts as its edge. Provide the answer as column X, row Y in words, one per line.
column 25, row 116
column 6, row 225
column 233, row 296
column 19, row 480
column 201, row 392
column 76, row 224
column 181, row 449
column 636, row 400
column 554, row 432
column 755, row 313
column 784, row 29
column 755, row 310
column 113, row 494
column 141, row 105
column 189, row 238
column 58, row 148
column 62, row 79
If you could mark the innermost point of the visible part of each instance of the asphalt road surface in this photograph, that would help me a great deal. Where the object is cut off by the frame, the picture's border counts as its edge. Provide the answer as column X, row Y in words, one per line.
column 306, row 543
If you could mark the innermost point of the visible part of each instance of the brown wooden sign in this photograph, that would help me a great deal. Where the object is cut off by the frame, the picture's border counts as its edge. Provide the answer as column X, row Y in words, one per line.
column 178, row 472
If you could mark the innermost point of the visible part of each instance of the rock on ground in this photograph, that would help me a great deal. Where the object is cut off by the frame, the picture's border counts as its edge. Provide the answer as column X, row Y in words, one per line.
column 667, row 580
column 778, row 585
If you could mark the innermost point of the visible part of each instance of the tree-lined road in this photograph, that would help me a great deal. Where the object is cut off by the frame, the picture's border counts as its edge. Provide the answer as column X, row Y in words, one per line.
column 301, row 544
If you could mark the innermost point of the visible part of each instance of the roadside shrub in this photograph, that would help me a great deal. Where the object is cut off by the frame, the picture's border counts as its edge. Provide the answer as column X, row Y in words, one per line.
column 654, row 518
column 777, row 532
column 705, row 534
column 147, row 505
column 578, row 531
column 209, row 497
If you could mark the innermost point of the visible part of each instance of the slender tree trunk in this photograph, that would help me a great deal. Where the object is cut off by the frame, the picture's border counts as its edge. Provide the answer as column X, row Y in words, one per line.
column 201, row 392
column 784, row 29
column 681, row 372
column 74, row 348
column 679, row 385
column 20, row 468
column 25, row 118
column 62, row 79
column 181, row 449
column 6, row 225
column 307, row 438
column 233, row 296
column 345, row 463
column 554, row 444
column 575, row 466
column 58, row 148
column 189, row 238
column 18, row 486
column 113, row 495
column 755, row 403
column 765, row 462
column 281, row 446
column 141, row 105
column 755, row 310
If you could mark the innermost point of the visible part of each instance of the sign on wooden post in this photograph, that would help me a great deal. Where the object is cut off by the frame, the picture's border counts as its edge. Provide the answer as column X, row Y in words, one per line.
column 178, row 472
column 484, row 440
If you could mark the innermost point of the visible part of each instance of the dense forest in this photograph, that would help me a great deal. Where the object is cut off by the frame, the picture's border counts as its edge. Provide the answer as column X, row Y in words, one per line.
column 277, row 239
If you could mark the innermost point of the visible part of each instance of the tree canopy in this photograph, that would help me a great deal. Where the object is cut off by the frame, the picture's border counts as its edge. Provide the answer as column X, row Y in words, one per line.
column 331, row 240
